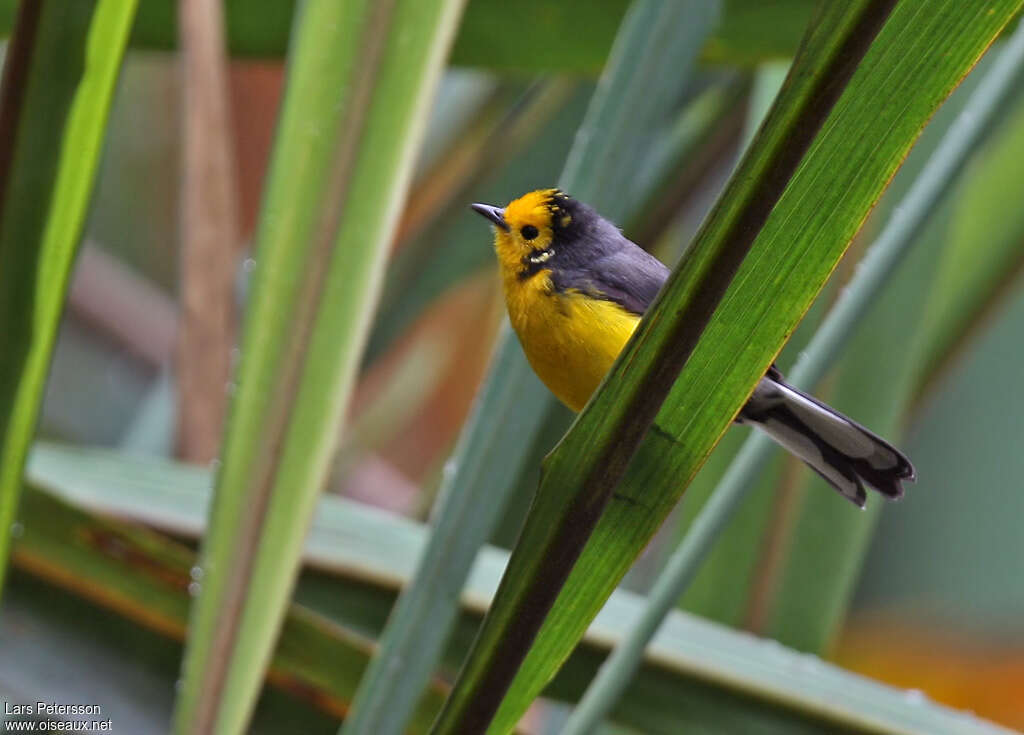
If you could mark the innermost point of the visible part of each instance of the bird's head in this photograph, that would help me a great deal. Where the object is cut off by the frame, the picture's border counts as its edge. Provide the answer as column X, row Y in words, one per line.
column 530, row 230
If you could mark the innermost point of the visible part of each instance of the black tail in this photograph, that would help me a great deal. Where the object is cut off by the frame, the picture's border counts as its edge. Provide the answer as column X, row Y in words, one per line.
column 839, row 449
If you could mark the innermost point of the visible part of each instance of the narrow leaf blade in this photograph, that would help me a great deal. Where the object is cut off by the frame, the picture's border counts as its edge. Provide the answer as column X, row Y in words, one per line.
column 360, row 77
column 73, row 69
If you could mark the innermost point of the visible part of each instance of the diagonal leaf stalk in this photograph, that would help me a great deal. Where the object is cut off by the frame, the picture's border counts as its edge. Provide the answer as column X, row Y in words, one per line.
column 806, row 230
column 583, row 471
column 892, row 244
column 360, row 77
column 53, row 137
column 656, row 48
column 532, row 40
column 735, row 552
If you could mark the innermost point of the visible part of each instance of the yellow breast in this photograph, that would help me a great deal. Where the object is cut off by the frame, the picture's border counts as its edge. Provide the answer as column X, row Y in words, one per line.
column 571, row 340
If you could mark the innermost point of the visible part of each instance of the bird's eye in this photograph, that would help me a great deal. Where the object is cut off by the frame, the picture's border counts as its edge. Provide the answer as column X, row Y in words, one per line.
column 529, row 232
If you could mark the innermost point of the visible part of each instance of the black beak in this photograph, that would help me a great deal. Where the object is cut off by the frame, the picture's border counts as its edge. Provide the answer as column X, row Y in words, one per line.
column 494, row 214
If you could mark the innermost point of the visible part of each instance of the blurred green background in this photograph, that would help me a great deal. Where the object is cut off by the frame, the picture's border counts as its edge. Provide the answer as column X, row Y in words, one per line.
column 934, row 585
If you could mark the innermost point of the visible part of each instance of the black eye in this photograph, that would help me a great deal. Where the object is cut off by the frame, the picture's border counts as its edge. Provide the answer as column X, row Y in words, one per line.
column 529, row 232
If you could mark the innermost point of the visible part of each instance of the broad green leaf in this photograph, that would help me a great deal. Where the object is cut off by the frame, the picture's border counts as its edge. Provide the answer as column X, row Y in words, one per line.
column 531, row 35
column 754, row 31
column 697, row 675
column 796, row 238
column 525, row 37
column 534, row 35
column 54, row 118
column 359, row 81
column 252, row 27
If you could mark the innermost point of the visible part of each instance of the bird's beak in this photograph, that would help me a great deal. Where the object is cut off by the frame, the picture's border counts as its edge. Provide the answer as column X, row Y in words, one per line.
column 494, row 214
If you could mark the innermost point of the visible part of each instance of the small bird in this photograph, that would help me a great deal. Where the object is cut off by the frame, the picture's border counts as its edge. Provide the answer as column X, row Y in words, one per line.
column 576, row 288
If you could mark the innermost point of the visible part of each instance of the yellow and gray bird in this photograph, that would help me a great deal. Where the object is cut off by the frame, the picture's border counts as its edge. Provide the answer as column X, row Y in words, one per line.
column 576, row 288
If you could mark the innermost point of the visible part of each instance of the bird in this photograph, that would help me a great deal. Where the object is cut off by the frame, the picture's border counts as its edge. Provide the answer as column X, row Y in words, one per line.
column 575, row 289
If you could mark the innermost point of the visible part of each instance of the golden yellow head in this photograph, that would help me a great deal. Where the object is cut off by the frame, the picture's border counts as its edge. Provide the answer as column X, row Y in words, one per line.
column 527, row 226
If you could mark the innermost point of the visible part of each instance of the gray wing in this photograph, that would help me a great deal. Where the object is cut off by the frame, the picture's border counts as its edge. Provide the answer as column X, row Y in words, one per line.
column 618, row 270
column 631, row 278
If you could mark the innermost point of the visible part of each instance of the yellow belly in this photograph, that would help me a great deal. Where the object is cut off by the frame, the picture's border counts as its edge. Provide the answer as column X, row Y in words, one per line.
column 570, row 340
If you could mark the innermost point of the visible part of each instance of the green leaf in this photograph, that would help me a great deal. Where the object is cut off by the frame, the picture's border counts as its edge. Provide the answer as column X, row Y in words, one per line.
column 525, row 37
column 736, row 551
column 360, row 76
column 805, row 231
column 754, row 32
column 253, row 27
column 59, row 77
column 824, row 552
column 697, row 675
column 531, row 35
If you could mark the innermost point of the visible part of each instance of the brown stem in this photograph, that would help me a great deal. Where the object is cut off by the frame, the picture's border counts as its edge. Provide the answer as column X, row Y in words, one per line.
column 209, row 228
